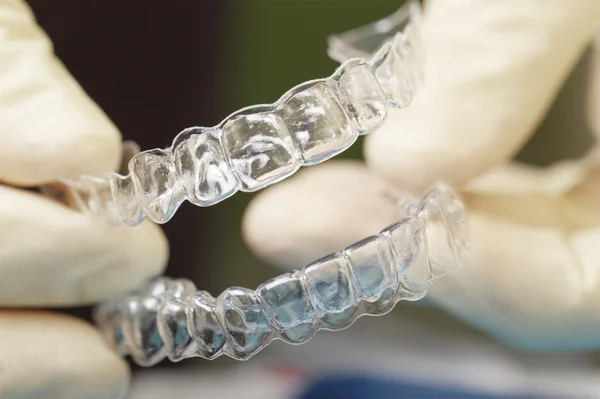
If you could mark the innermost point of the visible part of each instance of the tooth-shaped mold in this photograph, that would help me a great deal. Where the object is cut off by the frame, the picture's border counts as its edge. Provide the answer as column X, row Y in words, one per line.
column 173, row 329
column 318, row 123
column 390, row 73
column 149, row 345
column 124, row 198
column 454, row 211
column 108, row 318
column 289, row 307
column 329, row 284
column 443, row 257
column 203, row 169
column 204, row 326
column 362, row 96
column 372, row 266
column 409, row 246
column 259, row 149
column 404, row 63
column 100, row 200
column 128, row 308
column 157, row 188
column 247, row 328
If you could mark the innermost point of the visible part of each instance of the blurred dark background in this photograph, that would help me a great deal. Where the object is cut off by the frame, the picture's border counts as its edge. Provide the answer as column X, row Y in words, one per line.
column 157, row 67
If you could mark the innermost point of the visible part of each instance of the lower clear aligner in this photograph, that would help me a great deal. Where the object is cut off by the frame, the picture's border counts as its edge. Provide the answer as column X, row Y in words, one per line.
column 171, row 319
column 261, row 145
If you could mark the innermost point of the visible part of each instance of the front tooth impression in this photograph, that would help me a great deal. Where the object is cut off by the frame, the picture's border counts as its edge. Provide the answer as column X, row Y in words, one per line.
column 203, row 169
column 372, row 264
column 390, row 73
column 173, row 328
column 363, row 97
column 408, row 243
column 204, row 326
column 289, row 306
column 260, row 150
column 318, row 123
column 247, row 327
column 441, row 248
column 123, row 192
column 454, row 211
column 100, row 200
column 149, row 345
column 156, row 183
column 330, row 287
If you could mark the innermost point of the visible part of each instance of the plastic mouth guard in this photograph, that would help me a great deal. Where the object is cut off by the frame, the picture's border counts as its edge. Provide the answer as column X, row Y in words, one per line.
column 260, row 145
column 169, row 318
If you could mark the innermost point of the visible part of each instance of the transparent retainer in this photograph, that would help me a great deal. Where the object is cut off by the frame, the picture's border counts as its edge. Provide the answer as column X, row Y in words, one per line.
column 169, row 318
column 260, row 145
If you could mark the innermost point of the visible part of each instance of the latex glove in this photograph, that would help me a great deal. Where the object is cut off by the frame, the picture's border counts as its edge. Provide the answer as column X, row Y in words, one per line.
column 532, row 277
column 50, row 255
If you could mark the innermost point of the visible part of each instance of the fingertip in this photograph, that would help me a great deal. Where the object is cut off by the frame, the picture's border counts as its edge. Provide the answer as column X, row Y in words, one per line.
column 266, row 226
column 68, row 360
column 55, row 256
column 484, row 91
column 144, row 253
column 68, row 137
column 414, row 150
column 49, row 127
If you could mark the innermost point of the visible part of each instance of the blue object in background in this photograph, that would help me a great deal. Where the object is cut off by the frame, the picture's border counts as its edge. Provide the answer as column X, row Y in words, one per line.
column 366, row 387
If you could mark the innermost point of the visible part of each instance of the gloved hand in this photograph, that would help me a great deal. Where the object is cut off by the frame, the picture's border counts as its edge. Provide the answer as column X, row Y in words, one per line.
column 50, row 255
column 532, row 276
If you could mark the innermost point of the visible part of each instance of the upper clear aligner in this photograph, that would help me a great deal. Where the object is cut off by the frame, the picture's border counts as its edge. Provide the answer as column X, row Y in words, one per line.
column 169, row 318
column 263, row 144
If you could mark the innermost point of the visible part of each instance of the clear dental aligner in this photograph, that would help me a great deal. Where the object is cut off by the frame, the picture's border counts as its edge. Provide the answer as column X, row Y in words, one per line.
column 169, row 318
column 261, row 145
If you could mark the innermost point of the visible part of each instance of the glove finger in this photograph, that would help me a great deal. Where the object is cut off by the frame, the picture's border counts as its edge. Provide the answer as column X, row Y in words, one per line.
column 493, row 70
column 49, row 127
column 318, row 211
column 532, row 276
column 68, row 360
column 54, row 256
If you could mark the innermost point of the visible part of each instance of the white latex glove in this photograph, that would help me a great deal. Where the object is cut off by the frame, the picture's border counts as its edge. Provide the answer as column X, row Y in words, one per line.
column 50, row 255
column 532, row 277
